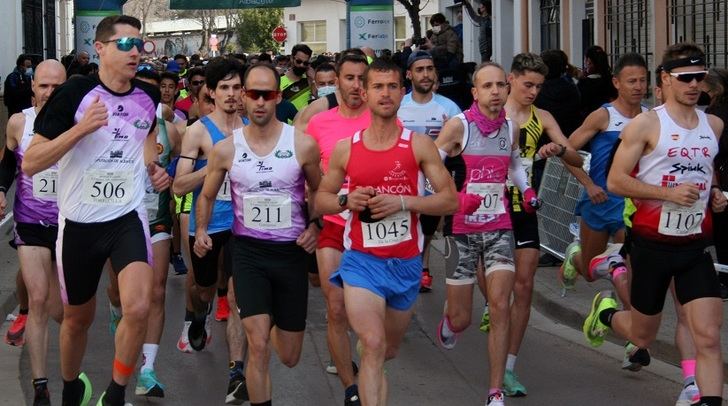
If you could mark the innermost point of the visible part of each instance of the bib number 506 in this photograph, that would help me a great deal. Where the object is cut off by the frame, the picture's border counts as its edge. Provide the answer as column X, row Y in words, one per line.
column 108, row 190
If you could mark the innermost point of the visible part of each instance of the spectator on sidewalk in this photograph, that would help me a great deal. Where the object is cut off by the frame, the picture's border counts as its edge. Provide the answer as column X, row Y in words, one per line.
column 596, row 85
column 482, row 19
column 18, row 93
column 559, row 95
column 444, row 37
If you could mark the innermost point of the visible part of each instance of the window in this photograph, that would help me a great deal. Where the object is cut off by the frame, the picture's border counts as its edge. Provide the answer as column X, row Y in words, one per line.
column 313, row 34
column 33, row 26
column 400, row 32
column 628, row 29
column 703, row 22
column 550, row 24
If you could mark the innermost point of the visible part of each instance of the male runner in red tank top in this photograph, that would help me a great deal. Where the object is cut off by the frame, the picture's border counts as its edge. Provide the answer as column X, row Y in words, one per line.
column 381, row 266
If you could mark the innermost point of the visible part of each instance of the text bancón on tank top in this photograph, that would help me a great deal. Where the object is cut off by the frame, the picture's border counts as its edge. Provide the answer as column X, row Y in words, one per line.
column 680, row 156
column 35, row 197
column 487, row 158
column 394, row 171
column 222, row 210
column 268, row 191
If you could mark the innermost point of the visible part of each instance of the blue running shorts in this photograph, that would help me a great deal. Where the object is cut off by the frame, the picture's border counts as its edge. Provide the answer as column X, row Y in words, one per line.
column 396, row 280
column 607, row 216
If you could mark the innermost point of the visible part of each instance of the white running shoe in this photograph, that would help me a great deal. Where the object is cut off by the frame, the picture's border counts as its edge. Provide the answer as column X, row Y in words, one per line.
column 183, row 344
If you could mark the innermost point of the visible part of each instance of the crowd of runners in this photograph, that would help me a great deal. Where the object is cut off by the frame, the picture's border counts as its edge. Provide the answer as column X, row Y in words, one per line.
column 346, row 191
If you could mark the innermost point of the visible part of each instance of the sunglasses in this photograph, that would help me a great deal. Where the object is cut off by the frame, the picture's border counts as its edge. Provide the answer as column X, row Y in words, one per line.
column 145, row 67
column 125, row 44
column 300, row 62
column 687, row 77
column 197, row 82
column 267, row 95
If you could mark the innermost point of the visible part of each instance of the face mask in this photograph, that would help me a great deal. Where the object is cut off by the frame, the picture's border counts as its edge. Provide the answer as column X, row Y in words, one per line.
column 326, row 90
column 299, row 71
column 29, row 71
column 436, row 29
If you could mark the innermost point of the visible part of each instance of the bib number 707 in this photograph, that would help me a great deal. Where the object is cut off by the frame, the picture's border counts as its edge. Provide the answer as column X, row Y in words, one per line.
column 391, row 230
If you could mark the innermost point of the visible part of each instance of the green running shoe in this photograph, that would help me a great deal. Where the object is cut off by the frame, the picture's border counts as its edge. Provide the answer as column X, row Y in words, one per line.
column 511, row 386
column 485, row 320
column 567, row 272
column 87, row 389
column 149, row 385
column 594, row 330
column 102, row 403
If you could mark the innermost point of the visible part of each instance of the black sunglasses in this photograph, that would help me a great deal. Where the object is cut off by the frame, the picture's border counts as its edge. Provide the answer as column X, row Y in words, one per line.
column 125, row 44
column 267, row 95
column 300, row 62
column 687, row 77
column 197, row 82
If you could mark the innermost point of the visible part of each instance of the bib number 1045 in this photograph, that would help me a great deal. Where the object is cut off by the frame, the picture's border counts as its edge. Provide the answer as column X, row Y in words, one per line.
column 389, row 231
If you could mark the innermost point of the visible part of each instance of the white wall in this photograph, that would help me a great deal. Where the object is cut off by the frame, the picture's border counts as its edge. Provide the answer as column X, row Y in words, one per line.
column 11, row 32
column 334, row 11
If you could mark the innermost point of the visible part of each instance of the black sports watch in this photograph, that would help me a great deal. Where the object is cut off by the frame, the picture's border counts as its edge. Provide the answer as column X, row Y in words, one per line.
column 317, row 221
column 343, row 199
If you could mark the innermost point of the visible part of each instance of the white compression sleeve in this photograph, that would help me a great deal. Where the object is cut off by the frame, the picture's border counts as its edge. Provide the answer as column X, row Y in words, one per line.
column 517, row 173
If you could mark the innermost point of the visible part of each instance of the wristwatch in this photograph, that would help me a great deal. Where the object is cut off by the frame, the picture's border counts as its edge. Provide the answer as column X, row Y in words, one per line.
column 562, row 152
column 316, row 221
column 343, row 199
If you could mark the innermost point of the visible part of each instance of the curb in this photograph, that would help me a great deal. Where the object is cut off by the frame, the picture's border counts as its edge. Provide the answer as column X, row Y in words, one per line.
column 660, row 349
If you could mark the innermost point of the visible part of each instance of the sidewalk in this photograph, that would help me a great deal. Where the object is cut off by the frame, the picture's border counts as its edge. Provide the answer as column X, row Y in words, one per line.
column 572, row 309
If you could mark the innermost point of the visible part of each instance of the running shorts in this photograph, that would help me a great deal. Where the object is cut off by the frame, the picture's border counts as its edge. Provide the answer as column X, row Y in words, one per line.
column 464, row 251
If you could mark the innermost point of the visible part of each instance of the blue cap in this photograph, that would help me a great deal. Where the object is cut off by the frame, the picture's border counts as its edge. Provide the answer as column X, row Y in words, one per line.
column 173, row 67
column 417, row 56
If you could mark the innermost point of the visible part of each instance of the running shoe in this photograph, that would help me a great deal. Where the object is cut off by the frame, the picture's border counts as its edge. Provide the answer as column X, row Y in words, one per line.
column 331, row 368
column 425, row 281
column 208, row 328
column 197, row 334
column 689, row 395
column 635, row 358
column 237, row 391
column 16, row 333
column 593, row 328
column 602, row 266
column 511, row 386
column 149, row 385
column 102, row 401
column 42, row 396
column 87, row 389
column 449, row 342
column 351, row 397
column 223, row 309
column 114, row 319
column 485, row 320
column 178, row 263
column 495, row 399
column 567, row 271
column 183, row 344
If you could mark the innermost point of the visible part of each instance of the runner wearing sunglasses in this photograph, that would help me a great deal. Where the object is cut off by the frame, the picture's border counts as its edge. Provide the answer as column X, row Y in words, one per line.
column 665, row 164
column 100, row 131
column 268, row 165
column 294, row 84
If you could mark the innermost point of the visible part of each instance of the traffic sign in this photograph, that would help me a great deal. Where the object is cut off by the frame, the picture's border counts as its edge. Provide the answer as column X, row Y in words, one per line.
column 280, row 34
column 149, row 47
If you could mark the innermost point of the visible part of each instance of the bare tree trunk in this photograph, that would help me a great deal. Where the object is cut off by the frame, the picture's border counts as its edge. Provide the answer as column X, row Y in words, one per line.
column 413, row 10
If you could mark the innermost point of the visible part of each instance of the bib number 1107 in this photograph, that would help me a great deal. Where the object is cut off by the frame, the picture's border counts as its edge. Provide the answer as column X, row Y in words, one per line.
column 676, row 220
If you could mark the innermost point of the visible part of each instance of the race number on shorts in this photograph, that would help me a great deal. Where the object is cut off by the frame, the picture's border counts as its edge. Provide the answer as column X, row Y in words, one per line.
column 492, row 194
column 45, row 184
column 267, row 212
column 102, row 187
column 677, row 220
column 391, row 230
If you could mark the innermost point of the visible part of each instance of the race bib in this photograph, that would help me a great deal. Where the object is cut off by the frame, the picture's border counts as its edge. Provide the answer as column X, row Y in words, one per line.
column 45, row 184
column 428, row 188
column 102, row 187
column 492, row 194
column 391, row 230
column 267, row 212
column 679, row 221
column 224, row 192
